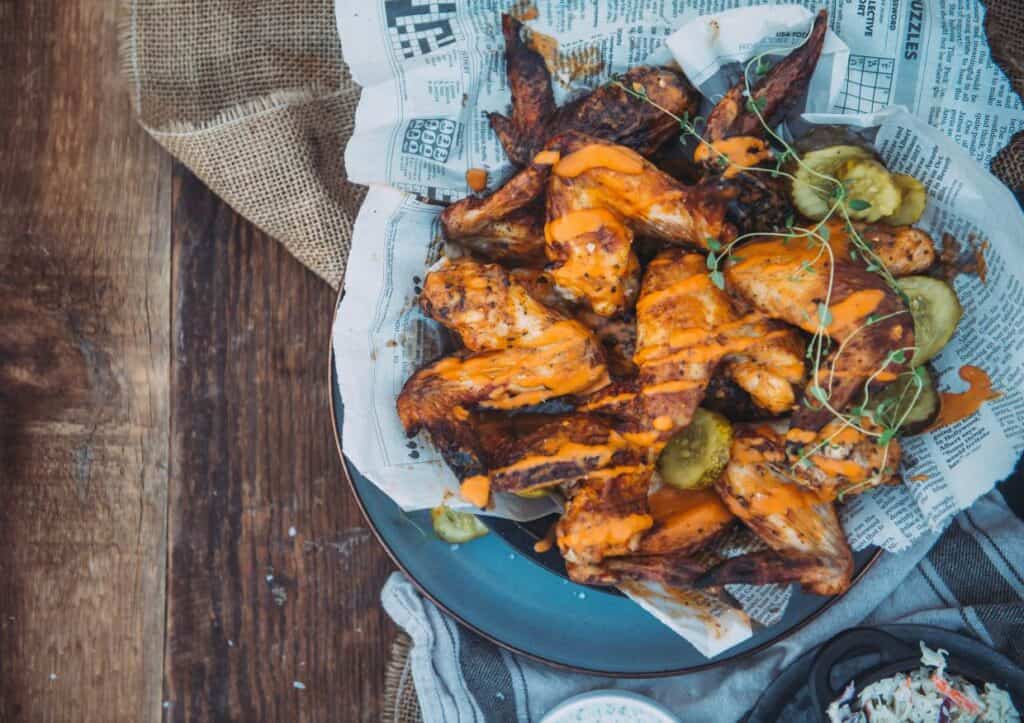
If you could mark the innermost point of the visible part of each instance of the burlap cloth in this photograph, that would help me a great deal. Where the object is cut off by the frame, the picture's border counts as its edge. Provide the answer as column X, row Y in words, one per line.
column 255, row 99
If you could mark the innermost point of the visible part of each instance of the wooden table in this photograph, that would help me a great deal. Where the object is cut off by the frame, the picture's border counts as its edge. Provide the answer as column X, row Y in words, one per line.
column 176, row 538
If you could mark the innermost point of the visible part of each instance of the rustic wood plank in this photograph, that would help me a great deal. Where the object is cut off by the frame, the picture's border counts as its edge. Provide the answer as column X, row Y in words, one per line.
column 252, row 609
column 84, row 360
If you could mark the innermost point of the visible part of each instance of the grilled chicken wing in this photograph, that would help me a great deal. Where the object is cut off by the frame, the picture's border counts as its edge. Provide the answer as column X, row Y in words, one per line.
column 518, row 353
column 606, row 515
column 672, row 569
column 686, row 327
column 840, row 460
column 735, row 132
column 533, row 101
column 506, row 225
column 867, row 319
column 617, row 334
column 773, row 93
column 564, row 452
column 683, row 523
column 598, row 195
column 607, row 112
column 806, row 540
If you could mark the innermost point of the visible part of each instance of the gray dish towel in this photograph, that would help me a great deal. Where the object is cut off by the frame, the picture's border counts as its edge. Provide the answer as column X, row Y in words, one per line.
column 969, row 579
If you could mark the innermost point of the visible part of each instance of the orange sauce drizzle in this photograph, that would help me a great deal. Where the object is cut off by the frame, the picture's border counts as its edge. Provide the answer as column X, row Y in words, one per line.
column 476, row 490
column 840, row 467
column 955, row 406
column 596, row 155
column 662, row 423
column 547, row 158
column 577, row 223
column 854, row 309
column 524, row 367
column 782, row 498
column 612, row 532
column 742, row 152
column 476, row 179
column 547, row 542
column 669, row 503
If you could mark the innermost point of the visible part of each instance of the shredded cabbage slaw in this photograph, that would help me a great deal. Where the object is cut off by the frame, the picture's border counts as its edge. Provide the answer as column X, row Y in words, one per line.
column 926, row 695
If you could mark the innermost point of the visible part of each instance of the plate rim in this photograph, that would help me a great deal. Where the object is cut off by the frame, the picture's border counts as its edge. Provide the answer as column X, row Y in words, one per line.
column 667, row 673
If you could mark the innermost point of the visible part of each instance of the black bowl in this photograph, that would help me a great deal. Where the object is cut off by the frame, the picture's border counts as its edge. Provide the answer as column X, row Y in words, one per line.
column 892, row 656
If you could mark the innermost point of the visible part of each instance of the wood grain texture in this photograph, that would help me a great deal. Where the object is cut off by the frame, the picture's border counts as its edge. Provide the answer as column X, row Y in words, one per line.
column 251, row 609
column 84, row 354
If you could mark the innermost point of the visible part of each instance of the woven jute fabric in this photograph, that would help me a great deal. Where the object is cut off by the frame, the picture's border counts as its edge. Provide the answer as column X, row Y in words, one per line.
column 254, row 98
column 400, row 702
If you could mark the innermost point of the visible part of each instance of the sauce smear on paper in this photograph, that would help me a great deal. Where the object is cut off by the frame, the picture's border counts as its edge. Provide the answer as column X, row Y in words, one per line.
column 476, row 179
column 960, row 405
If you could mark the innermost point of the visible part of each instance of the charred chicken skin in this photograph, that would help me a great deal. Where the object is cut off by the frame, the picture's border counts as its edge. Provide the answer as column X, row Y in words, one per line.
column 867, row 320
column 686, row 327
column 517, row 353
column 777, row 90
column 608, row 112
column 734, row 136
column 807, row 543
column 599, row 194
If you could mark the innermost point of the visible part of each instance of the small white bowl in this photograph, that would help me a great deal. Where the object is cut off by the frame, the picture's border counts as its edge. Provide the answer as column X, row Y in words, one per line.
column 609, row 706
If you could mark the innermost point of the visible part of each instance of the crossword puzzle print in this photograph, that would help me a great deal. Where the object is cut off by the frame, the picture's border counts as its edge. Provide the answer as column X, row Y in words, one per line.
column 430, row 138
column 418, row 27
column 868, row 84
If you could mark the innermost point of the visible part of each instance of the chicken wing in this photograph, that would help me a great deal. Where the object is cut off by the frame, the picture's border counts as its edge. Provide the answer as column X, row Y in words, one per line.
column 607, row 112
column 840, row 460
column 684, row 521
column 803, row 531
column 533, row 101
column 506, row 225
column 777, row 90
column 617, row 334
column 904, row 250
column 564, row 452
column 598, row 195
column 734, row 137
column 686, row 327
column 792, row 280
column 518, row 353
column 606, row 515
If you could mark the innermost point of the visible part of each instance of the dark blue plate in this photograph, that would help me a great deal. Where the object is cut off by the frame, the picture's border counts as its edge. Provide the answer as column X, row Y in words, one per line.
column 501, row 589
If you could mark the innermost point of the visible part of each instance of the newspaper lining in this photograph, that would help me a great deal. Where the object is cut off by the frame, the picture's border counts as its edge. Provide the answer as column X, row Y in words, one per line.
column 428, row 77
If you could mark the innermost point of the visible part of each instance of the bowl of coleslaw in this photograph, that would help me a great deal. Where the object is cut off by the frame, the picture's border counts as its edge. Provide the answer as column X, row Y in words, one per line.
column 907, row 684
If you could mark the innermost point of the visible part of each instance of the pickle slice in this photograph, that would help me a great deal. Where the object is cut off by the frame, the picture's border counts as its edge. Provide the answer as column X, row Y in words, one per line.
column 936, row 311
column 812, row 190
column 696, row 456
column 911, row 401
column 456, row 527
column 914, row 199
column 871, row 192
